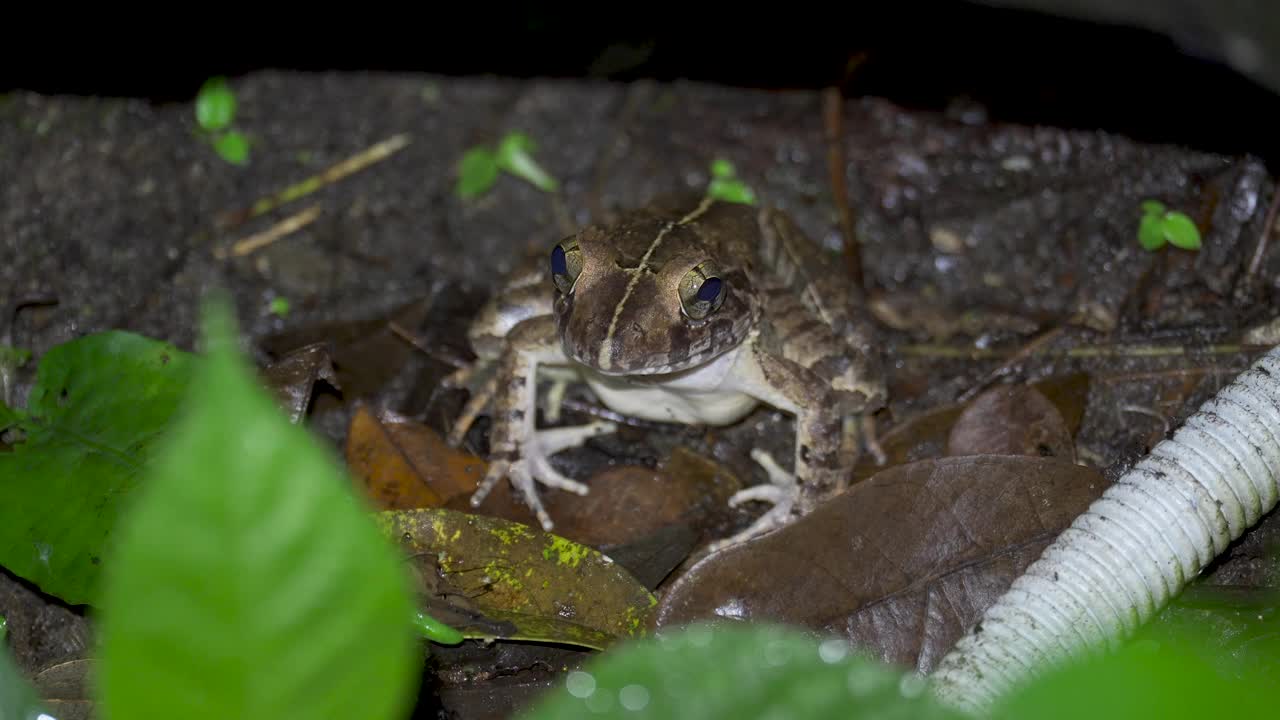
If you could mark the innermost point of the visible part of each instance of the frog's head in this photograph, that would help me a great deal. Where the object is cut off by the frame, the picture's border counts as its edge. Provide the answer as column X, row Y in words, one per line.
column 646, row 297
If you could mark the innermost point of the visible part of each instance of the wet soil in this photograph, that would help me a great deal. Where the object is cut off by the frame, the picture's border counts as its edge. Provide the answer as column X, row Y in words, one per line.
column 980, row 241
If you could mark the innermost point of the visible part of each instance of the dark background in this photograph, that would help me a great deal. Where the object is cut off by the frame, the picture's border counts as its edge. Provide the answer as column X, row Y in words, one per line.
column 1022, row 66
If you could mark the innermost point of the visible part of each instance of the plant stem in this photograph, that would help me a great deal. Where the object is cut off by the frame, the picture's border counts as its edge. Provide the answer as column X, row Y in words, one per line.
column 1135, row 548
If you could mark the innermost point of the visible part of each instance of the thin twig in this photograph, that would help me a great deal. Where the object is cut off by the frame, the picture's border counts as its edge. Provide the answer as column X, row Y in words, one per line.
column 332, row 174
column 1264, row 237
column 257, row 241
column 1027, row 350
column 436, row 353
column 833, row 124
column 950, row 352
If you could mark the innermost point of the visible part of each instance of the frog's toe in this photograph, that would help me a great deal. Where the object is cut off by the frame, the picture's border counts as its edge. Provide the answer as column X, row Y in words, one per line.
column 554, row 440
column 782, row 491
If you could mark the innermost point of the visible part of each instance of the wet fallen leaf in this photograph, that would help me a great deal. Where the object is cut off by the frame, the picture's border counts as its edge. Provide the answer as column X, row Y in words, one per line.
column 366, row 353
column 900, row 564
column 1011, row 420
column 66, row 689
column 926, row 435
column 502, row 566
column 293, row 377
column 404, row 464
column 629, row 502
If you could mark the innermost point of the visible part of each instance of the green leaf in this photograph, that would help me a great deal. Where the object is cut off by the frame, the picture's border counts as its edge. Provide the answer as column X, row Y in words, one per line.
column 522, row 570
column 736, row 671
column 1167, row 680
column 249, row 580
column 1152, row 207
column 734, row 191
column 18, row 699
column 515, row 156
column 232, row 147
column 99, row 404
column 215, row 104
column 477, row 172
column 279, row 306
column 1151, row 233
column 722, row 168
column 436, row 631
column 1180, row 231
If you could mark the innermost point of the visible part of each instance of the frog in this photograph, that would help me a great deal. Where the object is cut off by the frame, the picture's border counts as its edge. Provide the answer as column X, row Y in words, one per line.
column 687, row 310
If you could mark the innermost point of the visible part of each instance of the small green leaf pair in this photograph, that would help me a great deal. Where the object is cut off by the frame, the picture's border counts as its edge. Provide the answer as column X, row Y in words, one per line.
column 726, row 186
column 1160, row 225
column 478, row 170
column 215, row 111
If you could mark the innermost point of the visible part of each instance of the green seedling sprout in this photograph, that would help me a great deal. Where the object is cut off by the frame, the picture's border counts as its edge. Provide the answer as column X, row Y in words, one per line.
column 279, row 306
column 726, row 186
column 215, row 111
column 479, row 168
column 1159, row 225
column 434, row 630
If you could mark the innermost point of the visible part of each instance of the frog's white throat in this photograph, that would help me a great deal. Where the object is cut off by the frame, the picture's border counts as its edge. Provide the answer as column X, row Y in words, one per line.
column 706, row 394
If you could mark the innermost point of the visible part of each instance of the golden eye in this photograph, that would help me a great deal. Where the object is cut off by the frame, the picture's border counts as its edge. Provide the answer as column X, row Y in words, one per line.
column 702, row 291
column 566, row 263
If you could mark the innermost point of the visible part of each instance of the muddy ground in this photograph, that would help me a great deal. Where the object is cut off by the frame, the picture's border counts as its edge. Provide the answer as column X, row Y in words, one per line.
column 992, row 253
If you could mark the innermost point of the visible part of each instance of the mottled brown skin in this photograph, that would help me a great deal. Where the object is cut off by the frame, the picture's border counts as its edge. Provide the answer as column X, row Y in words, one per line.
column 784, row 334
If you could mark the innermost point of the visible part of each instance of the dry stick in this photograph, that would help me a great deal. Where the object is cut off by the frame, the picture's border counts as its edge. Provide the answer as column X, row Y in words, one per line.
column 950, row 352
column 1024, row 352
column 334, row 173
column 833, row 116
column 1136, row 547
column 257, row 241
column 1260, row 250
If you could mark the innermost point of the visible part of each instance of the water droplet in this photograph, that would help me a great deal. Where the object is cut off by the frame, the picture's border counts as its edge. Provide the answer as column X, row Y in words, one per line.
column 777, row 653
column 634, row 697
column 911, row 685
column 833, row 650
column 580, row 684
column 734, row 609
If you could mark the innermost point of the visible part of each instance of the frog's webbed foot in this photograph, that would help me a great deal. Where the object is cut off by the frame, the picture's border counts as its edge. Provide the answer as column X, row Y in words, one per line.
column 530, row 463
column 782, row 491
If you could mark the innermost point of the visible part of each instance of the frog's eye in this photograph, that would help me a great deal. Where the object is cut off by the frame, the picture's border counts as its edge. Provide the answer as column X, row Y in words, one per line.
column 566, row 263
column 702, row 291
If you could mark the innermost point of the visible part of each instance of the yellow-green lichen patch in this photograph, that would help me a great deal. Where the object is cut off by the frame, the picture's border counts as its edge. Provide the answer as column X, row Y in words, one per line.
column 565, row 552
column 504, row 566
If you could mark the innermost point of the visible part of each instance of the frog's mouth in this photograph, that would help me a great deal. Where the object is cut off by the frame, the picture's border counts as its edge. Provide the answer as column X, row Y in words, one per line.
column 651, row 365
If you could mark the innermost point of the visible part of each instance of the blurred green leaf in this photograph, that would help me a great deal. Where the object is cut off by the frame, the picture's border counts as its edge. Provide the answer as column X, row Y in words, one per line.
column 736, row 671
column 734, row 191
column 477, row 172
column 18, row 699
column 515, row 156
column 436, row 631
column 722, row 168
column 98, row 407
column 248, row 579
column 1167, row 680
column 1152, row 207
column 232, row 147
column 215, row 104
column 1151, row 233
column 1180, row 231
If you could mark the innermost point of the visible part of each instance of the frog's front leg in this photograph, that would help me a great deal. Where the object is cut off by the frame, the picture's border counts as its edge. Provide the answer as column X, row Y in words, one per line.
column 517, row 449
column 820, row 468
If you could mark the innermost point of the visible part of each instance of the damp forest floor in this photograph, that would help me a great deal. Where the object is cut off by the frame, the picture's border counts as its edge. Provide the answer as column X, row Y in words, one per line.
column 993, row 255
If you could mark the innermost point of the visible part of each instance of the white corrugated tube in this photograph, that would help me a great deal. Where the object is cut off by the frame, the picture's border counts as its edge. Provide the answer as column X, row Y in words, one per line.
column 1134, row 549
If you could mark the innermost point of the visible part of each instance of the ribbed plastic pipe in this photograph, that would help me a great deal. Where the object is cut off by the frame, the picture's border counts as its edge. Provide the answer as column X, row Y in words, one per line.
column 1135, row 548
